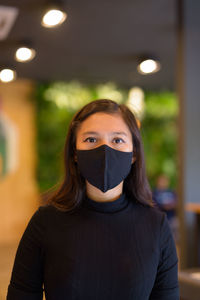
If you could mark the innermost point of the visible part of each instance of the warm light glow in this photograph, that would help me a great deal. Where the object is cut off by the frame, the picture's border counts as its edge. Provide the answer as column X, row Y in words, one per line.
column 195, row 275
column 136, row 101
column 7, row 75
column 24, row 54
column 53, row 18
column 148, row 66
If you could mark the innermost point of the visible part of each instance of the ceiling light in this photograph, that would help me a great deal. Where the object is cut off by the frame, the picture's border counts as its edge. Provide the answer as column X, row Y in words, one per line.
column 7, row 75
column 24, row 54
column 53, row 17
column 148, row 66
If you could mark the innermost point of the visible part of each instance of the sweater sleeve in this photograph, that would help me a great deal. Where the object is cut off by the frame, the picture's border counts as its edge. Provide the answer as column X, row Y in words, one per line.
column 26, row 281
column 166, row 282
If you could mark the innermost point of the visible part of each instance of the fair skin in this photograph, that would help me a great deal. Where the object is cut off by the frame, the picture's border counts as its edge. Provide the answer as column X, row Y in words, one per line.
column 104, row 129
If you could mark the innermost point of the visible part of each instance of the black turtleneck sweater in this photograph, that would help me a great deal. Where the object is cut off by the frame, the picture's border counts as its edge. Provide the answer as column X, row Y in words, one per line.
column 119, row 250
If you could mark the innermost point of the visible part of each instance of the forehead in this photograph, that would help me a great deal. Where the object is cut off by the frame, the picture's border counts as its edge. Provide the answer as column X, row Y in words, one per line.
column 104, row 122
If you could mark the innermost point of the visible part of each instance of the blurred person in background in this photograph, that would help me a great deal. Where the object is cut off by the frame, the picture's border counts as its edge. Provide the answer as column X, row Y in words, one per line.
column 165, row 200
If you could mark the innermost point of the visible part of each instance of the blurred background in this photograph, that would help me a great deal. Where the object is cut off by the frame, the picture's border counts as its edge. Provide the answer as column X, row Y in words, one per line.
column 56, row 56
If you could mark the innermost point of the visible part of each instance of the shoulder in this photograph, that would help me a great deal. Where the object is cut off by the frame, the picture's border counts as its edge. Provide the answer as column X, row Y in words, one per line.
column 41, row 215
column 156, row 225
column 150, row 219
column 148, row 212
column 38, row 222
column 48, row 215
column 156, row 221
column 45, row 210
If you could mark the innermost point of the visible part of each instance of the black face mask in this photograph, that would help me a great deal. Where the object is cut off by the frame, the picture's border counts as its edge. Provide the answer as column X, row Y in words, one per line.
column 104, row 167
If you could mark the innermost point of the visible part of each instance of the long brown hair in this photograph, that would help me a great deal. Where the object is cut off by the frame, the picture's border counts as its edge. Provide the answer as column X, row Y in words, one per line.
column 71, row 191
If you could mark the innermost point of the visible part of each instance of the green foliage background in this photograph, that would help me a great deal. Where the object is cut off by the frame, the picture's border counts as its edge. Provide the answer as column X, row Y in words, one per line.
column 57, row 102
column 160, row 134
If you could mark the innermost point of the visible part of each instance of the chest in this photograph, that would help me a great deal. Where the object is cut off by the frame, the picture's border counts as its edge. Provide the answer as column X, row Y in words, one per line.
column 101, row 257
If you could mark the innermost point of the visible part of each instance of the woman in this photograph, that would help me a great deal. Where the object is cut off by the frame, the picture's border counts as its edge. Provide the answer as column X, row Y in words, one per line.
column 98, row 237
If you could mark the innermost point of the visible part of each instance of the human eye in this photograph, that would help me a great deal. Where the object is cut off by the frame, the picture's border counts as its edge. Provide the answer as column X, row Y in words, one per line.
column 118, row 140
column 90, row 140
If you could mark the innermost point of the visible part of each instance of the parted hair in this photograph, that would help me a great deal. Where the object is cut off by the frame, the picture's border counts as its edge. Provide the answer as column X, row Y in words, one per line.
column 71, row 191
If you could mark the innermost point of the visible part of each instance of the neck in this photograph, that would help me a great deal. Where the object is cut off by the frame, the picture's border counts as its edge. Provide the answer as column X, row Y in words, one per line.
column 97, row 195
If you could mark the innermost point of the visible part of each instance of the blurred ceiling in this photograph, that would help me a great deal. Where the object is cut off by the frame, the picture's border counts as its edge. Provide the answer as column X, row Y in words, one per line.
column 100, row 41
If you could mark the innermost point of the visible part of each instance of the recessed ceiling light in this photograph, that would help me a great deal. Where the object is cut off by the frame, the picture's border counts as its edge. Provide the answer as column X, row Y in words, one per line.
column 53, row 18
column 7, row 75
column 24, row 54
column 148, row 66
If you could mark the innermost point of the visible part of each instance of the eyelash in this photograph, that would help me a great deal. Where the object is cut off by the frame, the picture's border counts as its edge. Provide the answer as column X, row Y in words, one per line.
column 92, row 138
column 89, row 139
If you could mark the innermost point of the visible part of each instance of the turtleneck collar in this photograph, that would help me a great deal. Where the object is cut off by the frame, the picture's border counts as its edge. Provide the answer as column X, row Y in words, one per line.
column 107, row 206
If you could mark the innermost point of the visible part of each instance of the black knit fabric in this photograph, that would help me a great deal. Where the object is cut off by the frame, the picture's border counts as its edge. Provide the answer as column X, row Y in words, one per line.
column 119, row 250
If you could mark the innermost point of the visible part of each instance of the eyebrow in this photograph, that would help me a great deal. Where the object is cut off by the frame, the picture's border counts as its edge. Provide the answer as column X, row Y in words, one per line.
column 112, row 133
